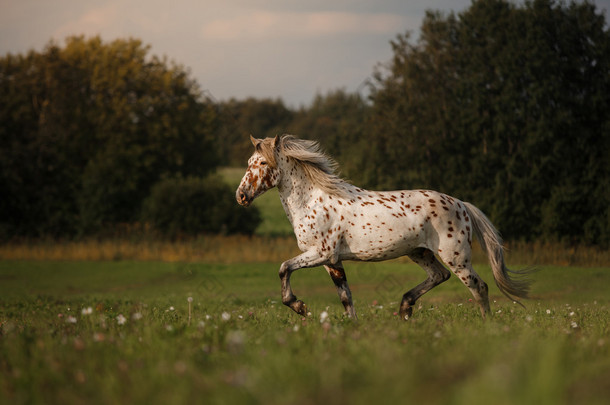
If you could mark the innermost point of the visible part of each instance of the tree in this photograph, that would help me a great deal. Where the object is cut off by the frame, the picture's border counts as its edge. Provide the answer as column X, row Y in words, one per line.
column 89, row 128
column 338, row 121
column 261, row 118
column 506, row 106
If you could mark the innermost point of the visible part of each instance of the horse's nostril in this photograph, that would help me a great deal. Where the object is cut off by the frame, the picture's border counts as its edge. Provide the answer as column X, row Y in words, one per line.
column 242, row 198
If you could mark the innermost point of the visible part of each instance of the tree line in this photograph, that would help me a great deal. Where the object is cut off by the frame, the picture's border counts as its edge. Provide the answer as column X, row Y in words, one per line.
column 503, row 105
column 92, row 132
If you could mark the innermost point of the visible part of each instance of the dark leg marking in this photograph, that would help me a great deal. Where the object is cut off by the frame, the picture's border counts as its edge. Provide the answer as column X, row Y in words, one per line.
column 288, row 298
column 337, row 274
column 437, row 273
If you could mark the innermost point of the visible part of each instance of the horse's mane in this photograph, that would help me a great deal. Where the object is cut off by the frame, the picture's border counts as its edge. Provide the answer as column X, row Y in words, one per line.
column 319, row 167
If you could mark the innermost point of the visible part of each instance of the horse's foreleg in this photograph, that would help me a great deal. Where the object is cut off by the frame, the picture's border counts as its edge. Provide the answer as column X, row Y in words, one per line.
column 437, row 273
column 337, row 274
column 307, row 259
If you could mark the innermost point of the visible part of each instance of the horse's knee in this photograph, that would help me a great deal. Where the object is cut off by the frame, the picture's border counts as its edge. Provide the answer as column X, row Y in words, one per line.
column 283, row 270
column 444, row 275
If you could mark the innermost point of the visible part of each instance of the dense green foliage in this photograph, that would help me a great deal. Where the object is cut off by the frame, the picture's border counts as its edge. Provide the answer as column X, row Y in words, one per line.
column 338, row 120
column 119, row 332
column 191, row 206
column 88, row 129
column 504, row 105
column 242, row 118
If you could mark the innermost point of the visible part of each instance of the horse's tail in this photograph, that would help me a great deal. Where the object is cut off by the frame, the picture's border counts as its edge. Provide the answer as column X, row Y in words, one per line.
column 491, row 241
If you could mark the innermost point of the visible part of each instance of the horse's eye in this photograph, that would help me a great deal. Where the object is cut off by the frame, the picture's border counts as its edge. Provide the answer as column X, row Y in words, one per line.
column 263, row 163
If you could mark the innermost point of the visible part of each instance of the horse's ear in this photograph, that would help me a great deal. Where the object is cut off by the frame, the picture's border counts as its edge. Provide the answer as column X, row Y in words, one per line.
column 276, row 142
column 254, row 141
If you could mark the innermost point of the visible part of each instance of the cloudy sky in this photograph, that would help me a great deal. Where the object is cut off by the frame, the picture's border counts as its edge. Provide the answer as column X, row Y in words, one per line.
column 290, row 49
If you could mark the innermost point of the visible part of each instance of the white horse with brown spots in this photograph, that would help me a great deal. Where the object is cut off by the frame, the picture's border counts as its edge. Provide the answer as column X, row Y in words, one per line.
column 336, row 221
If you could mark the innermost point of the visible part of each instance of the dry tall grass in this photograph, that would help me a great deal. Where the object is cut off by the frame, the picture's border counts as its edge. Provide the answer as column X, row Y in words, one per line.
column 216, row 249
column 243, row 249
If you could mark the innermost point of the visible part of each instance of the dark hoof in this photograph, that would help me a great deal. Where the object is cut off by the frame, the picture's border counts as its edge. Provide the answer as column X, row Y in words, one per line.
column 299, row 307
column 406, row 313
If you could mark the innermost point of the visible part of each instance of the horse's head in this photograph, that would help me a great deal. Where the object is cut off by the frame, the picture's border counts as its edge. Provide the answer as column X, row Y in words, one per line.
column 262, row 173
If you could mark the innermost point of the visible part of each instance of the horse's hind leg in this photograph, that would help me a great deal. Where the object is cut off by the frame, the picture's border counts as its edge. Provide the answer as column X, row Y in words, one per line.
column 460, row 265
column 437, row 273
column 478, row 288
column 337, row 274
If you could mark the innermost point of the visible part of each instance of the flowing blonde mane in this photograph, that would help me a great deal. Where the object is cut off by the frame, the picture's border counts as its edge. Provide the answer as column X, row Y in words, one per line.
column 319, row 168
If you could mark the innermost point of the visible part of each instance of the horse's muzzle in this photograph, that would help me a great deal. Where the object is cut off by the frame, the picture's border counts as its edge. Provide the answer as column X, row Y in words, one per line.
column 243, row 198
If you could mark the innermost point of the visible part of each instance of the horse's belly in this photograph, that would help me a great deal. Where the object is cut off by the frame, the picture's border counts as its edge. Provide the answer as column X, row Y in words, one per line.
column 381, row 241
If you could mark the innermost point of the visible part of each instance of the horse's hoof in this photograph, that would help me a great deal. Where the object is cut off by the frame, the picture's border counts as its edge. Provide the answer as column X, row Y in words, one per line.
column 300, row 308
column 406, row 313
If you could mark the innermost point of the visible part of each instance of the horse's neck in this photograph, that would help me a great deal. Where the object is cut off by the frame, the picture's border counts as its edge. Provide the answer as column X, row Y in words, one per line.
column 296, row 190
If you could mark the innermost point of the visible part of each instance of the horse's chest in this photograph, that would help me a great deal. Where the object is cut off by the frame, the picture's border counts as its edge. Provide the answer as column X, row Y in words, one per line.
column 316, row 226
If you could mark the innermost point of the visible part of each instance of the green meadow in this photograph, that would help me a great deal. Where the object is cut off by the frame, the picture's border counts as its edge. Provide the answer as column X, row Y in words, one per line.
column 150, row 322
column 125, row 332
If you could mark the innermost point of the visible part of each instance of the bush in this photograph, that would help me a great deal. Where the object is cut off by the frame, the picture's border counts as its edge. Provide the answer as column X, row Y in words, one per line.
column 193, row 206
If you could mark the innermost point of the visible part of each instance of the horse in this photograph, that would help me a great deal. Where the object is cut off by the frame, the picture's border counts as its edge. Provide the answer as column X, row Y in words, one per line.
column 335, row 221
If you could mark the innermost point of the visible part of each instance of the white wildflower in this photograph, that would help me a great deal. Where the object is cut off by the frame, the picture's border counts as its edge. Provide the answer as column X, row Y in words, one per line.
column 323, row 316
column 225, row 316
column 136, row 316
column 121, row 319
column 548, row 311
column 87, row 311
column 71, row 319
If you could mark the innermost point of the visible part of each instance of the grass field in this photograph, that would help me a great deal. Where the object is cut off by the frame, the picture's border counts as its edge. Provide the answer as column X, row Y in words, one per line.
column 120, row 332
column 109, row 321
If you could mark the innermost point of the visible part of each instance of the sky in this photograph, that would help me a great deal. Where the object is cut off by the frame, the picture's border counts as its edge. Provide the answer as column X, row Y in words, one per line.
column 284, row 49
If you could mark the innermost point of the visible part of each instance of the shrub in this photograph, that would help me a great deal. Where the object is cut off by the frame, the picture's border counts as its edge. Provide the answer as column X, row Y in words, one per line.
column 191, row 206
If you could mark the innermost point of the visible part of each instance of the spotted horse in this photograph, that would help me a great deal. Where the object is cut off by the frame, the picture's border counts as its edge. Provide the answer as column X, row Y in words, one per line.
column 335, row 221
